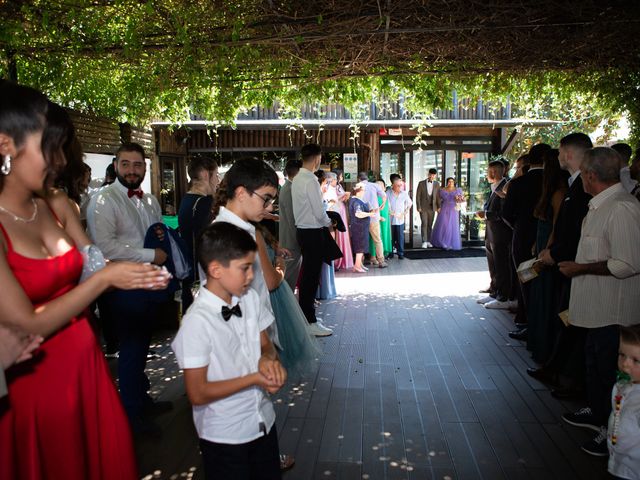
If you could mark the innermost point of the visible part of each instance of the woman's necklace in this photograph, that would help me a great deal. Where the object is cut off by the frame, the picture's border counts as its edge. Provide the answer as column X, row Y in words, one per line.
column 22, row 219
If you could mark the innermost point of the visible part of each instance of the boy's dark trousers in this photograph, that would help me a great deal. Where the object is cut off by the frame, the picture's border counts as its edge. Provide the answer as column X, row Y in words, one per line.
column 397, row 239
column 256, row 460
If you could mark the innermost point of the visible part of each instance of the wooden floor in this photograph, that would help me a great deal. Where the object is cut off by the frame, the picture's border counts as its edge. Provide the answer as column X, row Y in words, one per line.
column 417, row 382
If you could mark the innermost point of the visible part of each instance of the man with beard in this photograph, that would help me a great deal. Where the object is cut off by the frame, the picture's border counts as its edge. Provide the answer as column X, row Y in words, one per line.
column 118, row 219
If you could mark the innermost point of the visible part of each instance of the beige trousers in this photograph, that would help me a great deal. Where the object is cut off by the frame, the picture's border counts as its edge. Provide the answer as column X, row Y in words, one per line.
column 374, row 231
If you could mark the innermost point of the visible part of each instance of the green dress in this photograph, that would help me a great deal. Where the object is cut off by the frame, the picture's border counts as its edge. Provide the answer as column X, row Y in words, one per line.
column 385, row 231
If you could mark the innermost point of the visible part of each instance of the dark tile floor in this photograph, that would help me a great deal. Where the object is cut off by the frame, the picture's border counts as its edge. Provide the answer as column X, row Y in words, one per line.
column 417, row 382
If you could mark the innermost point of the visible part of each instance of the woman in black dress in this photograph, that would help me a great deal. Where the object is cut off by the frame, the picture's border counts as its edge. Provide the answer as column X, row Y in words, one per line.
column 359, row 216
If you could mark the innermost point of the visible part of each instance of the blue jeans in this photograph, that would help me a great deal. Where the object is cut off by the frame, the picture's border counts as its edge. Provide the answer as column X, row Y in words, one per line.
column 397, row 239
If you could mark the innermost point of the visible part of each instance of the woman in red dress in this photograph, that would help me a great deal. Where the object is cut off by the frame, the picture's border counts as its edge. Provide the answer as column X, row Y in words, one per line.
column 62, row 417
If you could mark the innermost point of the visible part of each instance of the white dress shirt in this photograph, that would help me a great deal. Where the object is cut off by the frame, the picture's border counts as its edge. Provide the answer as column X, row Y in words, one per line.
column 258, row 283
column 118, row 224
column 308, row 209
column 229, row 349
column 429, row 187
column 611, row 233
column 398, row 204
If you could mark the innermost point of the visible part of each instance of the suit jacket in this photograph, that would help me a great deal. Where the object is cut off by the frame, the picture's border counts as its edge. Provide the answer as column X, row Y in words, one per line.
column 568, row 226
column 522, row 197
column 498, row 230
column 287, row 224
column 423, row 200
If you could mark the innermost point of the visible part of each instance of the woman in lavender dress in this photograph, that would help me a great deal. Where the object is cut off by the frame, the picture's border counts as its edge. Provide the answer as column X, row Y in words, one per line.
column 446, row 232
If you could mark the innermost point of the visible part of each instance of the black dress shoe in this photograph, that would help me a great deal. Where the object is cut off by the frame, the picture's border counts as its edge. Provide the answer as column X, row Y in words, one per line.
column 542, row 374
column 520, row 325
column 485, row 290
column 519, row 334
column 567, row 393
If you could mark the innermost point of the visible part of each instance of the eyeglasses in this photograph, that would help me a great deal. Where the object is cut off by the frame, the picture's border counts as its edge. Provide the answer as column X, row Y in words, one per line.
column 267, row 200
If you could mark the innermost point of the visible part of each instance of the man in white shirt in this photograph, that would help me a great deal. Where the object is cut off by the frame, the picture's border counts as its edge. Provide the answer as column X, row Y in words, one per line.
column 118, row 219
column 311, row 219
column 605, row 290
column 399, row 206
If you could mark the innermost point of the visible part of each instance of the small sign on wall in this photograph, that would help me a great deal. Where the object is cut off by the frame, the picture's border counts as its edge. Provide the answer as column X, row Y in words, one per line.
column 350, row 164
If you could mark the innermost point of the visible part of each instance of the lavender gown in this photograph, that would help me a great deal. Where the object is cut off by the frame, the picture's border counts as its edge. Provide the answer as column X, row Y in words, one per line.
column 446, row 231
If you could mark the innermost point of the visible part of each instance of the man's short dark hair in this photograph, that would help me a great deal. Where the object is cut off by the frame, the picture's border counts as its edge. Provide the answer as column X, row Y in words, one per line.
column 130, row 147
column 537, row 153
column 577, row 140
column 223, row 242
column 292, row 168
column 250, row 173
column 624, row 151
column 394, row 176
column 310, row 150
column 198, row 165
column 362, row 176
column 433, row 171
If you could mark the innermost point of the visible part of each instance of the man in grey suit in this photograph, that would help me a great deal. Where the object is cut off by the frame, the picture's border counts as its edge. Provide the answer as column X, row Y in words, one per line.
column 287, row 225
column 428, row 203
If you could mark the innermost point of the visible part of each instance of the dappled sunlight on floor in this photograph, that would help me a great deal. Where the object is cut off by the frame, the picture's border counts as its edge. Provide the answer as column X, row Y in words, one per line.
column 454, row 284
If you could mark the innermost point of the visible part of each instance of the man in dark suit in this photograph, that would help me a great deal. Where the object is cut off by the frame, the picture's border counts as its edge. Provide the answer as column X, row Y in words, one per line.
column 497, row 239
column 523, row 195
column 568, row 355
column 428, row 203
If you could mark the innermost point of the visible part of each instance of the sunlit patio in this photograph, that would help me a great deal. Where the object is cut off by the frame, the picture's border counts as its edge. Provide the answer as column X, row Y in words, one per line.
column 417, row 382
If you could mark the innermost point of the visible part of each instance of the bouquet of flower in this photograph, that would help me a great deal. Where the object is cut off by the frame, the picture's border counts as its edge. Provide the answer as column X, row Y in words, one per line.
column 459, row 198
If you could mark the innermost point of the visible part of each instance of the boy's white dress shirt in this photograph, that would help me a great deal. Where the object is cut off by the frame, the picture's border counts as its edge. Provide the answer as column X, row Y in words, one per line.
column 229, row 349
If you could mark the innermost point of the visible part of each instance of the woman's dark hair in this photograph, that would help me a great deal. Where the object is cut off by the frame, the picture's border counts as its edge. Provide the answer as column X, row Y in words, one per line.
column 446, row 182
column 249, row 173
column 198, row 165
column 23, row 111
column 553, row 179
column 223, row 242
column 319, row 175
column 63, row 152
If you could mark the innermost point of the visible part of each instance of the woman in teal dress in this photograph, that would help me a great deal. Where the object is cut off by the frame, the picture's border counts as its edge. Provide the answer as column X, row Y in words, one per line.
column 543, row 323
column 298, row 350
column 385, row 226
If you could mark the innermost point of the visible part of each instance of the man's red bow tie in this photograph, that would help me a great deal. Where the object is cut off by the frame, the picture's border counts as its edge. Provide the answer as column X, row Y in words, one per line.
column 132, row 192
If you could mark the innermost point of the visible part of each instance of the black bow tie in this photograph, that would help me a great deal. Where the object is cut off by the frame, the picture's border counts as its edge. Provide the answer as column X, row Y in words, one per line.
column 430, row 181
column 227, row 312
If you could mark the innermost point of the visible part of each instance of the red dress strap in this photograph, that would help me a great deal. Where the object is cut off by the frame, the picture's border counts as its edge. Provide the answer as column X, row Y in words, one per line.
column 6, row 238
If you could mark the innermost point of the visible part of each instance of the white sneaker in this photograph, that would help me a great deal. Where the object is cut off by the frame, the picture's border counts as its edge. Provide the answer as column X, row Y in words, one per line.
column 425, row 244
column 497, row 305
column 429, row 245
column 319, row 330
column 484, row 300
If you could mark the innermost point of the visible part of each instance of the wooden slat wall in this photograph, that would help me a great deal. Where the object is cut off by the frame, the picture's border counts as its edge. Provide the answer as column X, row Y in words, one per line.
column 271, row 139
column 101, row 135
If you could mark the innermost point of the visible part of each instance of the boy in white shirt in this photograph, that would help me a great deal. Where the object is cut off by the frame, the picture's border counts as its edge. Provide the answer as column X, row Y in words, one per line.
column 229, row 361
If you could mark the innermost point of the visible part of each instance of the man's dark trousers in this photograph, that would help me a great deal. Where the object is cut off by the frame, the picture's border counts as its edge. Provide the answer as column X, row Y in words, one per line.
column 135, row 316
column 311, row 242
column 601, row 361
column 397, row 239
